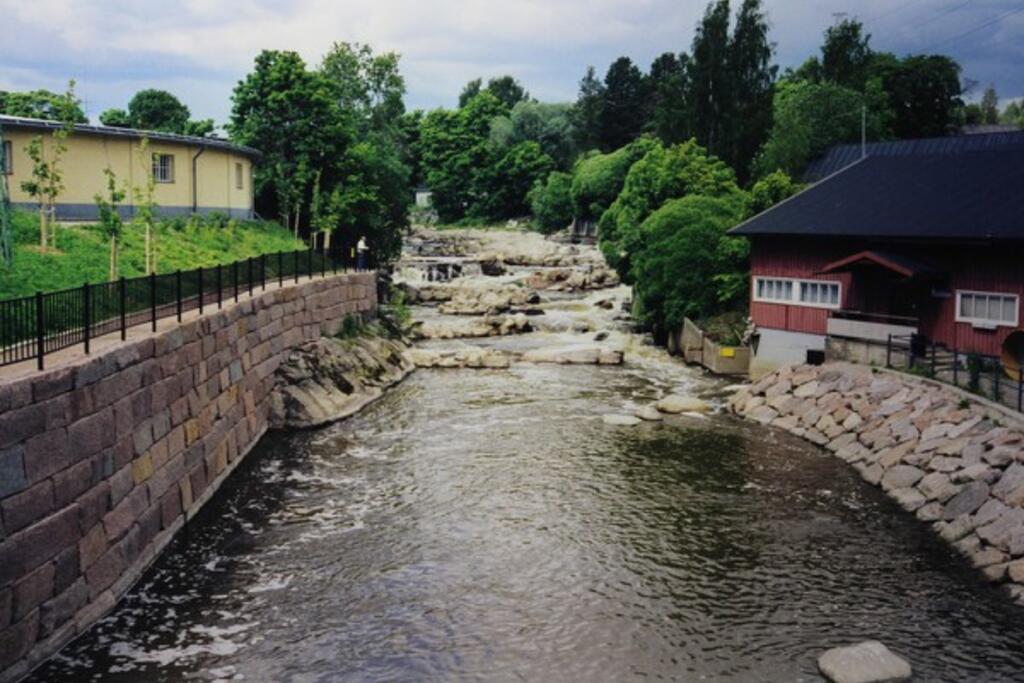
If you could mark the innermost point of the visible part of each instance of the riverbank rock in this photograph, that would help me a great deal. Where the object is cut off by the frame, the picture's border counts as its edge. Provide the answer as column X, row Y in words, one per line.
column 465, row 357
column 867, row 662
column 487, row 326
column 650, row 414
column 575, row 355
column 572, row 279
column 677, row 403
column 492, row 266
column 614, row 420
column 954, row 462
column 330, row 379
column 481, row 301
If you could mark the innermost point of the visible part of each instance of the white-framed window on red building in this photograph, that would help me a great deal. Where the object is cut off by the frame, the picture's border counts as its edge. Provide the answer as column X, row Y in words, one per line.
column 797, row 292
column 987, row 309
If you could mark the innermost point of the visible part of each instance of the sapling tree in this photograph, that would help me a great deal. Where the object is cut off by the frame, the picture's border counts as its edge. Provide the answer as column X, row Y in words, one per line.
column 145, row 207
column 47, row 181
column 110, row 219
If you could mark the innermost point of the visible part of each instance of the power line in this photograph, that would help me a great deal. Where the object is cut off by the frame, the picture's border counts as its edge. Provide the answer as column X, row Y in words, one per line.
column 970, row 31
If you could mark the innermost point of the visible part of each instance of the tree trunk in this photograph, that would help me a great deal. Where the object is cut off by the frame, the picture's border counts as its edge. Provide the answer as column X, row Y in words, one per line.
column 113, row 259
column 42, row 227
column 327, row 242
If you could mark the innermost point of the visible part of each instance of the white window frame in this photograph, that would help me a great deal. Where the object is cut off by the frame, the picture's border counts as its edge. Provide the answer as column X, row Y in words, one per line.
column 7, row 158
column 158, row 157
column 794, row 299
column 987, row 322
column 239, row 176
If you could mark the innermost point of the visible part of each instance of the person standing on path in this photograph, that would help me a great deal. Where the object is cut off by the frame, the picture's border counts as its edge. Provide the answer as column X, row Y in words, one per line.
column 361, row 253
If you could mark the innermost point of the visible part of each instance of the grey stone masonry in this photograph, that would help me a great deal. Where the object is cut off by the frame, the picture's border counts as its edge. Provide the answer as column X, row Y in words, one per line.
column 103, row 460
column 954, row 461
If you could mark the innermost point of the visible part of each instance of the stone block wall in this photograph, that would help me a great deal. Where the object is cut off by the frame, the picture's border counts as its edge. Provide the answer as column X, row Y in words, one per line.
column 104, row 459
column 954, row 460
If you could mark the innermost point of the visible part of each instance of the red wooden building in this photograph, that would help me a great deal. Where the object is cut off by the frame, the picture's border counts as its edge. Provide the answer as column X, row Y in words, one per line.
column 915, row 242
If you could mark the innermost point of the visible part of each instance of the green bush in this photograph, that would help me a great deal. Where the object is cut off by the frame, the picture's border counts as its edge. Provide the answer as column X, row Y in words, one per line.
column 597, row 178
column 551, row 202
column 690, row 267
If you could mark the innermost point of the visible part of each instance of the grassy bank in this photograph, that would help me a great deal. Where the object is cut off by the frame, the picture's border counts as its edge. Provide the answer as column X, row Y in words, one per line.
column 82, row 252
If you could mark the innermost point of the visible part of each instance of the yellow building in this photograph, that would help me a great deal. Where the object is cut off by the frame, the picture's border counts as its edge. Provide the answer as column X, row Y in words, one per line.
column 193, row 175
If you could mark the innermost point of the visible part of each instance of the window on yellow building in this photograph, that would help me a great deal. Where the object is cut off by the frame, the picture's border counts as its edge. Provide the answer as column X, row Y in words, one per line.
column 163, row 168
column 7, row 160
column 238, row 176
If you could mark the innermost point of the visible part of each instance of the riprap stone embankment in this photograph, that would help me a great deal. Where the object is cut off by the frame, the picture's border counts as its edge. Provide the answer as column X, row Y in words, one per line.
column 954, row 462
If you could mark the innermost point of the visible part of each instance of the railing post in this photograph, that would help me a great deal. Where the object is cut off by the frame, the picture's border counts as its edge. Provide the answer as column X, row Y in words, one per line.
column 296, row 266
column 177, row 293
column 280, row 269
column 888, row 352
column 250, row 275
column 124, row 308
column 40, row 331
column 199, row 274
column 234, row 277
column 86, row 316
column 220, row 282
column 309, row 263
column 152, row 299
column 263, row 271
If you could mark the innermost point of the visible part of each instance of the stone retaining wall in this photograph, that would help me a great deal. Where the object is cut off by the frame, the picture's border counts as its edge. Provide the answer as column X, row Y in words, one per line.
column 103, row 460
column 954, row 461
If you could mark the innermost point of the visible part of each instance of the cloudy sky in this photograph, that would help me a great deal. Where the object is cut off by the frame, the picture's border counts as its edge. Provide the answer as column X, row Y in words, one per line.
column 199, row 49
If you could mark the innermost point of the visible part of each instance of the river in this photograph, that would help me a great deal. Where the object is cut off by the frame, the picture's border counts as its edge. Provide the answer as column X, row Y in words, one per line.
column 488, row 525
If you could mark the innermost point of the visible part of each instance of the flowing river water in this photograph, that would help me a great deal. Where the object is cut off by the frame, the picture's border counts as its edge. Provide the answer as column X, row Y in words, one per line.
column 488, row 525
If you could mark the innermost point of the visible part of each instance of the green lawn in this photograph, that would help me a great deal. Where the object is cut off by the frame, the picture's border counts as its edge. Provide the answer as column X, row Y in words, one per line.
column 82, row 253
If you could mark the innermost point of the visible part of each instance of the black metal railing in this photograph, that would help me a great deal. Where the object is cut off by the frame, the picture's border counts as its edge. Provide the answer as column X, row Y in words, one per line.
column 984, row 375
column 35, row 326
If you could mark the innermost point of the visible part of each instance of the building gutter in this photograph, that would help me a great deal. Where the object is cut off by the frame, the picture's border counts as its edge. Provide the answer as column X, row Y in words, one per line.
column 195, row 180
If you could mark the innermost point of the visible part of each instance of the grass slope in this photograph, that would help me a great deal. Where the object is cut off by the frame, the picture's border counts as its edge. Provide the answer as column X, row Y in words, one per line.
column 83, row 252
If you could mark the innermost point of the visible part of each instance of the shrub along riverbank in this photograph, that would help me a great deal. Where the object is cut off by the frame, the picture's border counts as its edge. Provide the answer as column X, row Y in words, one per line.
column 82, row 252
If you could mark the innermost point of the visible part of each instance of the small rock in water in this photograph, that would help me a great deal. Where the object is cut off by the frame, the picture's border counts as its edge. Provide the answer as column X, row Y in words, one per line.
column 676, row 404
column 601, row 336
column 620, row 420
column 867, row 662
column 649, row 413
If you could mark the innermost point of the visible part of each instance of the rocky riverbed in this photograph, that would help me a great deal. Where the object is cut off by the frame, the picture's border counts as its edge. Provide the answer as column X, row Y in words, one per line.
column 952, row 461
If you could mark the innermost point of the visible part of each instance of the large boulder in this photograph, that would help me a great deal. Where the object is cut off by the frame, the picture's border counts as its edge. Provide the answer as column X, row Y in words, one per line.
column 867, row 662
column 575, row 355
column 677, row 403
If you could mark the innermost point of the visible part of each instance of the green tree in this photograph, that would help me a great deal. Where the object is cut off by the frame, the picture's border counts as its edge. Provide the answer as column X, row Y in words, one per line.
column 990, row 105
column 752, row 77
column 689, row 266
column 846, row 54
column 469, row 91
column 549, row 125
column 110, row 217
column 624, row 104
column 586, row 113
column 159, row 110
column 670, row 94
column 551, row 202
column 770, row 190
column 47, row 178
column 1013, row 114
column 201, row 128
column 598, row 178
column 661, row 174
column 43, row 104
column 368, row 84
column 923, row 92
column 511, row 178
column 116, row 118
column 290, row 115
column 144, row 214
column 811, row 117
column 508, row 90
column 709, row 78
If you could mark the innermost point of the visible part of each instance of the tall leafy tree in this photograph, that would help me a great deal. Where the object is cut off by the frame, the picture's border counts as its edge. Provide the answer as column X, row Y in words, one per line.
column 625, row 104
column 289, row 114
column 154, row 109
column 469, row 91
column 670, row 93
column 586, row 113
column 548, row 124
column 923, row 91
column 752, row 78
column 368, row 84
column 846, row 54
column 116, row 118
column 709, row 78
column 990, row 105
column 508, row 90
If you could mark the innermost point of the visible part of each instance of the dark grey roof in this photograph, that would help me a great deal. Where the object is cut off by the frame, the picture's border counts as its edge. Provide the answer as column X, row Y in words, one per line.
column 841, row 156
column 84, row 128
column 972, row 195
